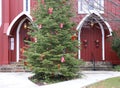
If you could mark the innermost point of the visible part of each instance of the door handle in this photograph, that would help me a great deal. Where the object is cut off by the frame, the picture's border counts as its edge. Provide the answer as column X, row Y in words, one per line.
column 85, row 42
column 97, row 43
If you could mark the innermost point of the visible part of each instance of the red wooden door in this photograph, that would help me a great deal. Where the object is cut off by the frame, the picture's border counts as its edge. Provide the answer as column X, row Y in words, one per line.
column 23, row 35
column 91, row 42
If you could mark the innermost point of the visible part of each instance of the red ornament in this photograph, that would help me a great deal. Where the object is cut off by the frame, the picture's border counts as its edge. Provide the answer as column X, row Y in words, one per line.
column 25, row 63
column 22, row 50
column 74, row 37
column 62, row 59
column 50, row 10
column 40, row 26
column 42, row 56
column 34, row 18
column 63, row 1
column 61, row 25
column 42, row 1
column 73, row 28
column 34, row 39
column 58, row 66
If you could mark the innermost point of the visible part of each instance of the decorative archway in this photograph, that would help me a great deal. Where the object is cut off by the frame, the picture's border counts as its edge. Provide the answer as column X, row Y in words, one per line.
column 14, row 30
column 16, row 19
column 99, row 20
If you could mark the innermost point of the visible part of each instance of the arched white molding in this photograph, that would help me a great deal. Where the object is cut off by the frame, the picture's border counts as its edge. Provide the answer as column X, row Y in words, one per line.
column 15, row 19
column 85, row 18
column 18, row 38
column 79, row 27
column 107, row 24
column 82, row 21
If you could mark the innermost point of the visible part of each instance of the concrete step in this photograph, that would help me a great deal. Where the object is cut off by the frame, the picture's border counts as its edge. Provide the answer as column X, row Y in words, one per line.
column 103, row 66
column 14, row 67
column 96, row 68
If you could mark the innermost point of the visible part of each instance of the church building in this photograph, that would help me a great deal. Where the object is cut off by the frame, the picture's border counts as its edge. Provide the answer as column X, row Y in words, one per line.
column 95, row 19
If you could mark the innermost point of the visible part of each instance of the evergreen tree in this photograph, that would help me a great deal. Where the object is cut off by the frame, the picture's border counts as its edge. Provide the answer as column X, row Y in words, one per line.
column 52, row 55
column 116, row 42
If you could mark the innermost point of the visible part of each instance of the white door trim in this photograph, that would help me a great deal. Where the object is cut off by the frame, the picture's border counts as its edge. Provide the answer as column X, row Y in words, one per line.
column 18, row 40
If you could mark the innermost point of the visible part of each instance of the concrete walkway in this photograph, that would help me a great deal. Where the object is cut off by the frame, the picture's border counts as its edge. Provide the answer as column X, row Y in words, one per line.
column 20, row 80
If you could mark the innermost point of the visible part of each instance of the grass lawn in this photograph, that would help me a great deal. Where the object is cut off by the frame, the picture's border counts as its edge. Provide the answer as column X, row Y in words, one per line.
column 108, row 83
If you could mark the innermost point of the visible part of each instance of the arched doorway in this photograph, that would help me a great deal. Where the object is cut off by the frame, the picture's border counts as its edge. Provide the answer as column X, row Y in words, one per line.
column 17, row 34
column 92, row 33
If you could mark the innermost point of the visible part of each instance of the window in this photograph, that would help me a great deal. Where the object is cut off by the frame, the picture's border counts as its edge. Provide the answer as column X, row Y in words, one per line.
column 88, row 6
column 0, row 12
column 26, row 5
column 91, row 5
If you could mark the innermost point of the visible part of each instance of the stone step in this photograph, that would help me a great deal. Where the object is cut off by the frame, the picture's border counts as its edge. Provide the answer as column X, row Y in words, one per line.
column 14, row 67
column 103, row 66
column 96, row 68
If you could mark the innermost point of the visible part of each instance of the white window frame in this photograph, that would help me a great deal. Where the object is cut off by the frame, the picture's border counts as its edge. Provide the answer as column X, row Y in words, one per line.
column 83, row 6
column 0, row 12
column 26, row 8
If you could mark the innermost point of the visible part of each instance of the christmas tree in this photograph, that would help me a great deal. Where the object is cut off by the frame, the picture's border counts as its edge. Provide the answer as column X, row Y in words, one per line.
column 52, row 50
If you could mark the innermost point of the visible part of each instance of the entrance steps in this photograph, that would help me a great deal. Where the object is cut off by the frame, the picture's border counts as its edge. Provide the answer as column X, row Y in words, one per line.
column 14, row 67
column 19, row 66
column 97, row 66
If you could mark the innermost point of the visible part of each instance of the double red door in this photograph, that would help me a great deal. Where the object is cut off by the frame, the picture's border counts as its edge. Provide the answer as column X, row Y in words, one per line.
column 91, row 44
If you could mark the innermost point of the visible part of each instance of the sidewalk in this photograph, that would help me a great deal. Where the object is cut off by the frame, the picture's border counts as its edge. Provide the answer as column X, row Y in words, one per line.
column 20, row 80
column 16, row 80
column 88, row 78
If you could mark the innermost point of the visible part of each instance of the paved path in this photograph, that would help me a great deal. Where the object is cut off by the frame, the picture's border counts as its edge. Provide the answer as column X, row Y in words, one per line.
column 16, row 80
column 20, row 80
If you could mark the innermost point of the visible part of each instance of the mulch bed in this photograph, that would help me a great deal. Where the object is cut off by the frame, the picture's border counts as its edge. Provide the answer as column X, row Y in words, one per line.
column 36, row 82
